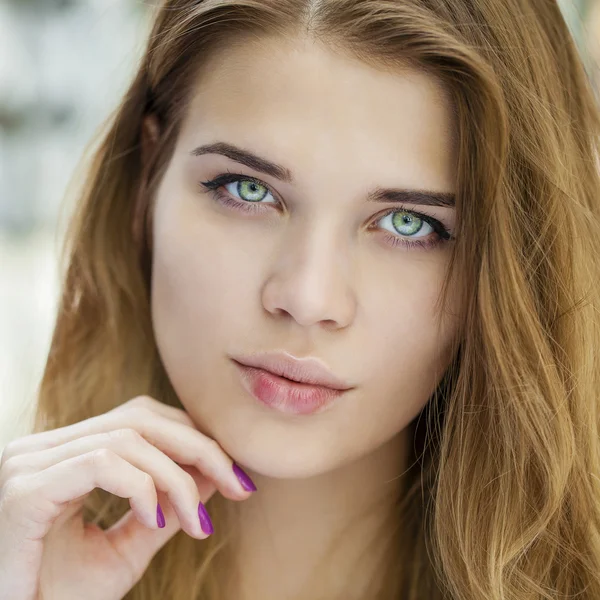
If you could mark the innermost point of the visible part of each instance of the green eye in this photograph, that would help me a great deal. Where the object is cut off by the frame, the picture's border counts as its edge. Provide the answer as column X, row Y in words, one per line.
column 405, row 223
column 411, row 223
column 250, row 190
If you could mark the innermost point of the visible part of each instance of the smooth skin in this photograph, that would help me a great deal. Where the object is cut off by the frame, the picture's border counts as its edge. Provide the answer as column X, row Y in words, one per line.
column 143, row 450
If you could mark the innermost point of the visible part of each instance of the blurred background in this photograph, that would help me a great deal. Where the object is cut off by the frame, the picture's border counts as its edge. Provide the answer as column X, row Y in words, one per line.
column 64, row 65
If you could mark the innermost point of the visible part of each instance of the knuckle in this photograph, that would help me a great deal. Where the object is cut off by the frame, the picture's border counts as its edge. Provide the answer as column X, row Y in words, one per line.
column 127, row 434
column 133, row 412
column 11, row 449
column 141, row 414
column 134, row 404
column 147, row 483
column 214, row 445
column 12, row 491
column 102, row 457
column 11, row 467
column 142, row 401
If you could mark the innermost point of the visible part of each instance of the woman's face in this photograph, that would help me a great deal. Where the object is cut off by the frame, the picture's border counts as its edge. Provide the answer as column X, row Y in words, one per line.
column 317, row 269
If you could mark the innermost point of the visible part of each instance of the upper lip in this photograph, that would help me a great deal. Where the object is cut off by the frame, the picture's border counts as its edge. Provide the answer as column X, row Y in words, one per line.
column 304, row 370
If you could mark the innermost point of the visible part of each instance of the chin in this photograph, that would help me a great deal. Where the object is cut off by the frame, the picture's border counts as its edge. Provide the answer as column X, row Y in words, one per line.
column 275, row 454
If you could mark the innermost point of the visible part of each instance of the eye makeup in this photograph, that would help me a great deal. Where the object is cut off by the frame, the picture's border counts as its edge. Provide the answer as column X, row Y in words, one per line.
column 439, row 234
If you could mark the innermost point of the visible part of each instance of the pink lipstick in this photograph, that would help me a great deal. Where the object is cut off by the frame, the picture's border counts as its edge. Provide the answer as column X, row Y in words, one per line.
column 290, row 385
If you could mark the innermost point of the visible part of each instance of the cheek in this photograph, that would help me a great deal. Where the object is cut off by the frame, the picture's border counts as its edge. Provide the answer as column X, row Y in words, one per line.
column 409, row 350
column 402, row 378
column 200, row 270
column 199, row 288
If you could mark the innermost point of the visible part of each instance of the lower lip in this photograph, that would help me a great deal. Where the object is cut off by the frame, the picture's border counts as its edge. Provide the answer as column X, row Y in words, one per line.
column 284, row 395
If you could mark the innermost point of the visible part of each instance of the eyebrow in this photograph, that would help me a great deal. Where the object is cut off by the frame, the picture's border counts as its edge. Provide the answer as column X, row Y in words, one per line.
column 261, row 164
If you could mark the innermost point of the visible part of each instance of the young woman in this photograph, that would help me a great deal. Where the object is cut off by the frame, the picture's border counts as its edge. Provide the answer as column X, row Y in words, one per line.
column 329, row 324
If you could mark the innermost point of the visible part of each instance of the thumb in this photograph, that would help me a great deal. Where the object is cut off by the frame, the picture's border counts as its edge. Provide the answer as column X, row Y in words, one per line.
column 138, row 544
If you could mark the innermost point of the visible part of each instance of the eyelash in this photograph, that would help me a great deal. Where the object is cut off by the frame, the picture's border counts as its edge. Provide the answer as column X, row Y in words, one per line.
column 442, row 235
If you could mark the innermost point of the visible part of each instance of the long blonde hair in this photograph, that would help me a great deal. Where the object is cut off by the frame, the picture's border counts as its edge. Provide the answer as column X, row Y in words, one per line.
column 502, row 497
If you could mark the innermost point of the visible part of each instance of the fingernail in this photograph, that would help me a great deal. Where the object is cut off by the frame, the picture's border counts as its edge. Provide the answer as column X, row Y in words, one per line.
column 244, row 478
column 205, row 521
column 160, row 518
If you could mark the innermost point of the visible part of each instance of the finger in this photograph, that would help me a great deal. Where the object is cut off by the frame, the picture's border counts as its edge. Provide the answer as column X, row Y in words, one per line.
column 167, row 411
column 205, row 486
column 168, row 476
column 31, row 503
column 139, row 544
column 53, row 437
column 183, row 443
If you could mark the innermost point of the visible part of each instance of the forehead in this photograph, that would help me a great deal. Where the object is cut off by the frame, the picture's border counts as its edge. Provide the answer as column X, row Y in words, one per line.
column 299, row 100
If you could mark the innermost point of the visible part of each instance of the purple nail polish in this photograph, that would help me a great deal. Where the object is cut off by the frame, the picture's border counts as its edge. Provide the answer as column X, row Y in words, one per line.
column 160, row 518
column 244, row 478
column 205, row 521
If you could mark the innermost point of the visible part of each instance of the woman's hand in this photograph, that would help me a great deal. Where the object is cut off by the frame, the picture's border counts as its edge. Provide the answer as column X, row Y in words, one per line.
column 142, row 450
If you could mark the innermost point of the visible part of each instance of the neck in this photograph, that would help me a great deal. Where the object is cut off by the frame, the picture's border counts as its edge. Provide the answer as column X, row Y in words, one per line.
column 289, row 530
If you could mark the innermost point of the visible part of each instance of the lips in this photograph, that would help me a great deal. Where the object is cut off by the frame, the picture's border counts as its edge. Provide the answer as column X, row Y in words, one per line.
column 293, row 383
column 310, row 371
column 284, row 395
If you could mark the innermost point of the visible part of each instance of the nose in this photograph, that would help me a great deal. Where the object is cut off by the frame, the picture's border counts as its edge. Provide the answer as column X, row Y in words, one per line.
column 311, row 280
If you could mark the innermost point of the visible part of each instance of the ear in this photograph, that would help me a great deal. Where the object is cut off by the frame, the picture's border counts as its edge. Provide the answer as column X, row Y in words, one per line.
column 149, row 137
